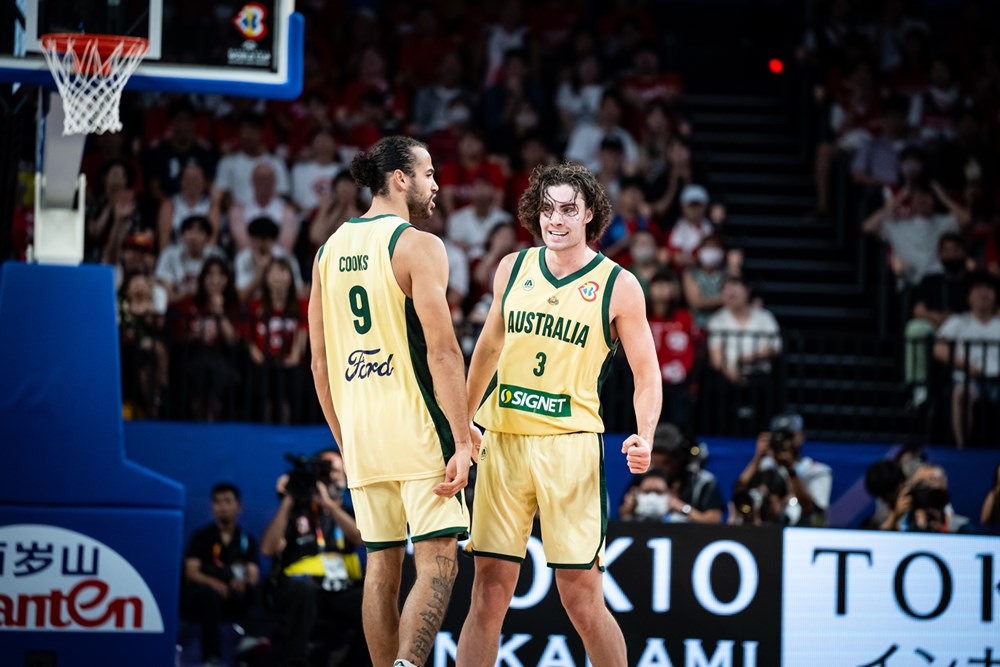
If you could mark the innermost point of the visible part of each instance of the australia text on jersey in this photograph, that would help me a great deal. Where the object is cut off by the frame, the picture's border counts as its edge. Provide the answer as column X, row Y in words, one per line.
column 544, row 324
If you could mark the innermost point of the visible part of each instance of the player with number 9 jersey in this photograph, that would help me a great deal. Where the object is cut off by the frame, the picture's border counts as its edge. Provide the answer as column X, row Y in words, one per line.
column 377, row 359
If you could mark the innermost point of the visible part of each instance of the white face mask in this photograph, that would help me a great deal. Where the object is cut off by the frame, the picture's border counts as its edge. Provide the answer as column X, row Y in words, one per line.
column 650, row 505
column 710, row 257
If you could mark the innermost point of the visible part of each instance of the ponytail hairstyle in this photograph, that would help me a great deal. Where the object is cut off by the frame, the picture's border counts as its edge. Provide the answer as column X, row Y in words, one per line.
column 371, row 168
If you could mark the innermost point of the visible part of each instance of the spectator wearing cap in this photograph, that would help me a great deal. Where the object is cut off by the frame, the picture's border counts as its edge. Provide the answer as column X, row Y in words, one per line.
column 690, row 229
column 809, row 482
column 970, row 344
column 191, row 200
column 180, row 263
column 234, row 178
column 743, row 340
column 585, row 141
column 265, row 203
column 469, row 226
column 676, row 489
column 250, row 263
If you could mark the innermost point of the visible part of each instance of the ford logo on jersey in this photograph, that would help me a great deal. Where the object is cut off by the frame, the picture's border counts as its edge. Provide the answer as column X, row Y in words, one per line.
column 360, row 365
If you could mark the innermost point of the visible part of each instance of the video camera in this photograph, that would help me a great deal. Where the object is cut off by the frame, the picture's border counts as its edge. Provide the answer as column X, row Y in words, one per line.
column 304, row 474
column 781, row 440
column 925, row 497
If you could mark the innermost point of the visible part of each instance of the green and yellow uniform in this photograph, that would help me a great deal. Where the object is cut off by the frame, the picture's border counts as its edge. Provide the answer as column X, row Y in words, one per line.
column 397, row 439
column 542, row 413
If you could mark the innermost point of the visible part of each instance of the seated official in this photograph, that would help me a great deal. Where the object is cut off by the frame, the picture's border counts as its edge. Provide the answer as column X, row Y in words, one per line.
column 316, row 571
column 222, row 577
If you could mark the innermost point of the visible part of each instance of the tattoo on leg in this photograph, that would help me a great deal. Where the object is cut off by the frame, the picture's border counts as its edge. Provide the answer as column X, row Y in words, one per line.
column 433, row 615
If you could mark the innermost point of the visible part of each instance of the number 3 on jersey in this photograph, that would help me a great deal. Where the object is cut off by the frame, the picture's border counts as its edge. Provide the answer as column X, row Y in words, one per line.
column 540, row 369
column 359, row 306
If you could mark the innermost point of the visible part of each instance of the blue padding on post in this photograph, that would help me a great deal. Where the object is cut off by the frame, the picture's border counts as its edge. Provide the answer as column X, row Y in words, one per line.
column 60, row 394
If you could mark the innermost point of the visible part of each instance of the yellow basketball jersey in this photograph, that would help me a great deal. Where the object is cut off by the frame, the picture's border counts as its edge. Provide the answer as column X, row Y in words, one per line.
column 557, row 349
column 392, row 425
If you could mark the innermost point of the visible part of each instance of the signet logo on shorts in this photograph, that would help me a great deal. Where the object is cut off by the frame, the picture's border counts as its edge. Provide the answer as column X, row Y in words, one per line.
column 536, row 402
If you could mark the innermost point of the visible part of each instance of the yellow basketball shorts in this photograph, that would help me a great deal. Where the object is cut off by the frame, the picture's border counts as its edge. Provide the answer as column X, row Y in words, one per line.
column 384, row 511
column 562, row 476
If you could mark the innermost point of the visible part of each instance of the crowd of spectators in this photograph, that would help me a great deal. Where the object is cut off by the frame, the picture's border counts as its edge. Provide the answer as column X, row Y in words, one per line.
column 212, row 208
column 908, row 107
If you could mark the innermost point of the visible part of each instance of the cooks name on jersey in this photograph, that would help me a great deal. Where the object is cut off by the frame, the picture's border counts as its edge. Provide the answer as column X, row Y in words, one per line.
column 362, row 365
column 549, row 326
column 352, row 263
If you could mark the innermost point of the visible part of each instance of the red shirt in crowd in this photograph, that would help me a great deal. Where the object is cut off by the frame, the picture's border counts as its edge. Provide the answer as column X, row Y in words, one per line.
column 675, row 340
column 460, row 177
column 274, row 334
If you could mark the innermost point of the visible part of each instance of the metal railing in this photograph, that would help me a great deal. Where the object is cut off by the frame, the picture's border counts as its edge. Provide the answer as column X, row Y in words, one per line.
column 866, row 388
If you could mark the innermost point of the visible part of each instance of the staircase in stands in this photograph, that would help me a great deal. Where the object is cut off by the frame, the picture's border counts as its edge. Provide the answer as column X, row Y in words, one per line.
column 814, row 273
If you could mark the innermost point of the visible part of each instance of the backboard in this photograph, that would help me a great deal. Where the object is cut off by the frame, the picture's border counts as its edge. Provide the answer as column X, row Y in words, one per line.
column 243, row 48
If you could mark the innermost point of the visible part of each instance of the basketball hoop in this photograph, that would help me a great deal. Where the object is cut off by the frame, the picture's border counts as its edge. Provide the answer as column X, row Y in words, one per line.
column 90, row 72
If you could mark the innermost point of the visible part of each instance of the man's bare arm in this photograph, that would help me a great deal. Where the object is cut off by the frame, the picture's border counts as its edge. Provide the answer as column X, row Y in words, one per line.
column 490, row 343
column 422, row 258
column 317, row 340
column 628, row 312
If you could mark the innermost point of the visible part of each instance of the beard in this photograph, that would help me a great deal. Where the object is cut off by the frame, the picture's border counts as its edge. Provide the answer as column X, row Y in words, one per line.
column 418, row 209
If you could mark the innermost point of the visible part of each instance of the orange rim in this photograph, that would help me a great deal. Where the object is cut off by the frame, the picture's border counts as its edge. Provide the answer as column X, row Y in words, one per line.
column 80, row 43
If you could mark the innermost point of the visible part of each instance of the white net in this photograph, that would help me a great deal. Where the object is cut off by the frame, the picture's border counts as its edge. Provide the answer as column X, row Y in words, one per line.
column 90, row 83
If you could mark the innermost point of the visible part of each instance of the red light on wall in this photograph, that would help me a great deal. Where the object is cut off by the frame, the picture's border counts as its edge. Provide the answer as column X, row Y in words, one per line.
column 776, row 66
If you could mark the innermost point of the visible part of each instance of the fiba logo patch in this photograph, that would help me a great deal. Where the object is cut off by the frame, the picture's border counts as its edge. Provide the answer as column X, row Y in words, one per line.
column 589, row 291
column 251, row 21
column 528, row 285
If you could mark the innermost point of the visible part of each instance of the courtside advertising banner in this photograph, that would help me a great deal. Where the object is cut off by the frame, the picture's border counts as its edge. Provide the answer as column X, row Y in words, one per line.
column 854, row 599
column 724, row 596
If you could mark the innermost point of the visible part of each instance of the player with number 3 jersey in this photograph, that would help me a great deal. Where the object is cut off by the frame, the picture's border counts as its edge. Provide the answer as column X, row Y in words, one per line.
column 558, row 315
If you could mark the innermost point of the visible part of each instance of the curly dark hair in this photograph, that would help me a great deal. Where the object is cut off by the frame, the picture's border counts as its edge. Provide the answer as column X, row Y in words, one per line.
column 371, row 168
column 577, row 177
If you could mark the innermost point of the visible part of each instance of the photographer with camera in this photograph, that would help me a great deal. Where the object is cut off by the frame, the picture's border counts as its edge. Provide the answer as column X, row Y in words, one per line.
column 809, row 482
column 762, row 503
column 923, row 505
column 676, row 489
column 316, row 571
